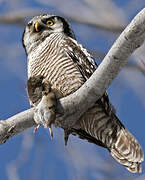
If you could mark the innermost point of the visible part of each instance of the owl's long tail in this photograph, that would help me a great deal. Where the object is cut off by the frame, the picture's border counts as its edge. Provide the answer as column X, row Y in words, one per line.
column 127, row 151
column 108, row 131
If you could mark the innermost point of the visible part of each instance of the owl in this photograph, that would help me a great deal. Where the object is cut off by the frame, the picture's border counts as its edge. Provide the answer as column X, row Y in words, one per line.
column 56, row 57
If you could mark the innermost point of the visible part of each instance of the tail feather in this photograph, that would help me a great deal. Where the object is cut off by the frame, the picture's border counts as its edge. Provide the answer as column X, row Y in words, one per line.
column 127, row 151
column 109, row 132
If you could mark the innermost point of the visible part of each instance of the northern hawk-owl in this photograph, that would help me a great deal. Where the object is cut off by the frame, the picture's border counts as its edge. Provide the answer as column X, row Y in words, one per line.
column 56, row 57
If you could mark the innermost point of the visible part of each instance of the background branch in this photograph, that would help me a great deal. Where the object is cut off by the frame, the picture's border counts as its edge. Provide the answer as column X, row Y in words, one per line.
column 19, row 18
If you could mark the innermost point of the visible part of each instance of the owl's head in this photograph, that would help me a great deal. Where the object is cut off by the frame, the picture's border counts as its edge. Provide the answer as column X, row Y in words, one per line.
column 40, row 27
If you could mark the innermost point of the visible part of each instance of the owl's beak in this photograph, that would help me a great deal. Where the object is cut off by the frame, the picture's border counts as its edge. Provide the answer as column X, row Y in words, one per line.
column 36, row 26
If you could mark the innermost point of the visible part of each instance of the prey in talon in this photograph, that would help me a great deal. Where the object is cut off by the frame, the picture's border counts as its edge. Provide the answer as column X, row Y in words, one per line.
column 43, row 98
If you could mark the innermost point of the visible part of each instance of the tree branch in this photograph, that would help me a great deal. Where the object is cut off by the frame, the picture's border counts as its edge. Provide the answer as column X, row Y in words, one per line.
column 19, row 17
column 16, row 124
column 100, row 26
column 73, row 106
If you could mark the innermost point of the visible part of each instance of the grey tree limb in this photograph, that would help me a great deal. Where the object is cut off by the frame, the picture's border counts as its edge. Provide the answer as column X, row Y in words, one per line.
column 19, row 17
column 73, row 106
column 100, row 26
column 16, row 124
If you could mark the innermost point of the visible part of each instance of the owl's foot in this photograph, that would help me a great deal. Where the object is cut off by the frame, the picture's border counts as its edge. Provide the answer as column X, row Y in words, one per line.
column 45, row 111
column 43, row 98
column 50, row 129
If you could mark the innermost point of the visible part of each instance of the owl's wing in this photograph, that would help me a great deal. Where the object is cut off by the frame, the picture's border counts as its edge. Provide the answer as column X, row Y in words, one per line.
column 86, row 65
column 80, row 56
column 99, row 124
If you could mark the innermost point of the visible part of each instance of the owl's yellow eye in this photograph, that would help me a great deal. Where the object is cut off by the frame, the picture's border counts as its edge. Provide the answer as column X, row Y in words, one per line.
column 49, row 22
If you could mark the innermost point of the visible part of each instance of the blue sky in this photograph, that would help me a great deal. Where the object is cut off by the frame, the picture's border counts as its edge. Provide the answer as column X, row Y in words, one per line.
column 36, row 156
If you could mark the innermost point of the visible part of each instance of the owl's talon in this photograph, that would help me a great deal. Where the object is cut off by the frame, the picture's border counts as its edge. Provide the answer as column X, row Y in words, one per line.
column 36, row 128
column 43, row 115
column 66, row 136
column 50, row 129
column 44, row 100
column 51, row 132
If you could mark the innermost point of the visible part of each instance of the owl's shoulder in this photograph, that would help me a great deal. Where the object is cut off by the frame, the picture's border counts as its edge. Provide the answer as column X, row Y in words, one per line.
column 80, row 56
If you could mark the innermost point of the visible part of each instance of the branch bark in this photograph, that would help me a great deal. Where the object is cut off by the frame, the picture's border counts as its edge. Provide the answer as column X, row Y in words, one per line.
column 73, row 106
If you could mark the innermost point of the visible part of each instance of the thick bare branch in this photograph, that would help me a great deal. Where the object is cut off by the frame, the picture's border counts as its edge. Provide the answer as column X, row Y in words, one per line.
column 131, row 38
column 16, row 124
column 72, row 107
column 139, row 67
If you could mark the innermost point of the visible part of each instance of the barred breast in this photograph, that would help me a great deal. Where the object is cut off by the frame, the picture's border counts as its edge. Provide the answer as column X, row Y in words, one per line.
column 50, row 61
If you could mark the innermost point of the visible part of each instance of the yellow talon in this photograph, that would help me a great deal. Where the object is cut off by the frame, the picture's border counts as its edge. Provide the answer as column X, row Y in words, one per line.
column 51, row 132
column 36, row 128
column 50, row 129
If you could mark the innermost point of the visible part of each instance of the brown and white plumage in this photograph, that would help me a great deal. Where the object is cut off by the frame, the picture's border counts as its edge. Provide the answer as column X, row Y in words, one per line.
column 54, row 54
